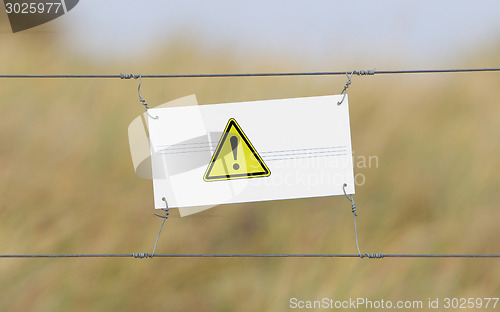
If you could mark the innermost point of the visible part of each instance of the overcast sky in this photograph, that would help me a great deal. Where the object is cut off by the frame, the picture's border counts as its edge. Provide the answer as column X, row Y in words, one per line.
column 417, row 33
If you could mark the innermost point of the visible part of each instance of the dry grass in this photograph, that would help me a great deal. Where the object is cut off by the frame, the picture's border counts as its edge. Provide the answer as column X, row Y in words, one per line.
column 67, row 186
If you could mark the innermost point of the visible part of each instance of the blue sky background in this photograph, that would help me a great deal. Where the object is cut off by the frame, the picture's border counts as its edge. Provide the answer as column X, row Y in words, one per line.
column 413, row 33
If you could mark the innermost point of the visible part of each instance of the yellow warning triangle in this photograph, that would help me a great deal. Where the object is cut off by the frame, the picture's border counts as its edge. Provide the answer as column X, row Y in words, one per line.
column 235, row 157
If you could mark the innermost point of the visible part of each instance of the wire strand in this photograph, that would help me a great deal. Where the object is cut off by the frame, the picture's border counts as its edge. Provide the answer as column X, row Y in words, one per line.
column 247, row 256
column 275, row 74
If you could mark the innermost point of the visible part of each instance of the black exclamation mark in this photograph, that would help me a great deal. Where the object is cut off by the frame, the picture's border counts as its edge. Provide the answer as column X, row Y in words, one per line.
column 234, row 146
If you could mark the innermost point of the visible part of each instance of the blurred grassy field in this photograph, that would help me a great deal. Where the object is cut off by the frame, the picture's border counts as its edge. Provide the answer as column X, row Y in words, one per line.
column 67, row 186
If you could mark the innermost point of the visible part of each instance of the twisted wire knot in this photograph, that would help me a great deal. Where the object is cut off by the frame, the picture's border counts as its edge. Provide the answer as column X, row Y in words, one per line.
column 167, row 213
column 373, row 256
column 128, row 76
column 366, row 72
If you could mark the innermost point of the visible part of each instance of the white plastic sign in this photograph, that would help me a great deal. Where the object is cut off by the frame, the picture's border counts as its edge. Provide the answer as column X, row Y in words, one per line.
column 250, row 151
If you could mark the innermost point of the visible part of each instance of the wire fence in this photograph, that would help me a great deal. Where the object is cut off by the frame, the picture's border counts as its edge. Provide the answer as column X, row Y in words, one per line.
column 273, row 74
